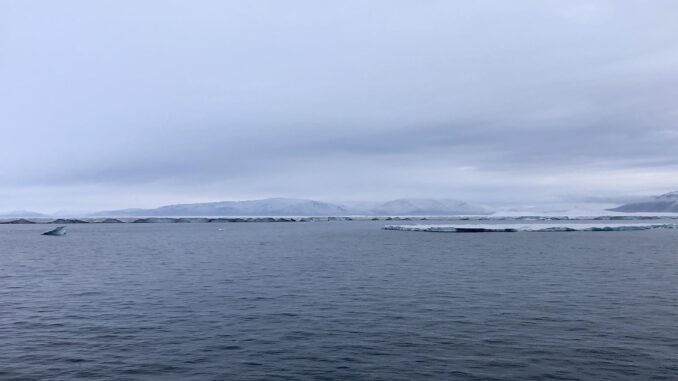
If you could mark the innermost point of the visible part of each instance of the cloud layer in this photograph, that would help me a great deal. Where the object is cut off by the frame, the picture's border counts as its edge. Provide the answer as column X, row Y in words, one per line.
column 122, row 103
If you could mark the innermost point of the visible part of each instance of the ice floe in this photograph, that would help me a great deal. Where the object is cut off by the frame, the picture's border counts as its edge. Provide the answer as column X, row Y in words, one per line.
column 503, row 228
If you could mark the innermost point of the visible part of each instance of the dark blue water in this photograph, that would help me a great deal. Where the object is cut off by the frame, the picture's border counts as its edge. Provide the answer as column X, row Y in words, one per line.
column 335, row 301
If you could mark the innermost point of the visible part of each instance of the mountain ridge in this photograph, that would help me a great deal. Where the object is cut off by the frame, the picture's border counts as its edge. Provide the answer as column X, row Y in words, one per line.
column 664, row 203
column 302, row 207
column 22, row 214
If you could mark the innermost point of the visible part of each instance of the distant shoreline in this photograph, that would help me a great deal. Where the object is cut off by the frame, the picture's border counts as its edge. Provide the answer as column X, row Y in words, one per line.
column 185, row 220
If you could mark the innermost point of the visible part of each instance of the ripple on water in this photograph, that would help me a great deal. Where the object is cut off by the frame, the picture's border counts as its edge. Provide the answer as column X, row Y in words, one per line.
column 335, row 301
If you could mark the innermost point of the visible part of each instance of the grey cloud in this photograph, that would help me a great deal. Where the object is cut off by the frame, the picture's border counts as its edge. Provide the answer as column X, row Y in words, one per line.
column 336, row 100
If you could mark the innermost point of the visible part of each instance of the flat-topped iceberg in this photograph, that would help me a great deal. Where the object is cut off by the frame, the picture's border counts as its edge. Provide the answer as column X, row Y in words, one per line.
column 510, row 228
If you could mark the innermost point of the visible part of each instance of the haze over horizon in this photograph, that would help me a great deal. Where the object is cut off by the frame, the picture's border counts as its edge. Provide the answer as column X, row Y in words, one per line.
column 121, row 104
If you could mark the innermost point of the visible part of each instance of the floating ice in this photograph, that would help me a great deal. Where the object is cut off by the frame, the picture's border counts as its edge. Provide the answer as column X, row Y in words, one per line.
column 497, row 228
column 61, row 230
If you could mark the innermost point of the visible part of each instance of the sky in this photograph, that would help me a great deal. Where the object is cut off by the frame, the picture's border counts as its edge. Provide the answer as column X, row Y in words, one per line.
column 127, row 103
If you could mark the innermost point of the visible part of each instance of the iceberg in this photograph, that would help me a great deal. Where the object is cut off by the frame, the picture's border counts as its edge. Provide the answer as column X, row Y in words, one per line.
column 511, row 228
column 60, row 230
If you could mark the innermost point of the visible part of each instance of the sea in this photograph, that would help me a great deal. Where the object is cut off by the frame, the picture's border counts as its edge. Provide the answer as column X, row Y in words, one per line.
column 341, row 300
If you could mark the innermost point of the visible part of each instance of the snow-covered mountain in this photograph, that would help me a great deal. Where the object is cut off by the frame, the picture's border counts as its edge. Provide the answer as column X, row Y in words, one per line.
column 666, row 203
column 300, row 207
column 21, row 214
column 266, row 207
column 427, row 207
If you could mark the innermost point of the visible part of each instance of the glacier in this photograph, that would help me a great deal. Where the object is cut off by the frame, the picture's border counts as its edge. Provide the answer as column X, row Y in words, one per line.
column 511, row 228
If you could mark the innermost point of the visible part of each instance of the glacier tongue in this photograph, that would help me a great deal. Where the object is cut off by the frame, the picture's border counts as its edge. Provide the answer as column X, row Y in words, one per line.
column 503, row 228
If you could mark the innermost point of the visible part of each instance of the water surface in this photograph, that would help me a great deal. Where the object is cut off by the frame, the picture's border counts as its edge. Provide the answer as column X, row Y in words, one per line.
column 335, row 300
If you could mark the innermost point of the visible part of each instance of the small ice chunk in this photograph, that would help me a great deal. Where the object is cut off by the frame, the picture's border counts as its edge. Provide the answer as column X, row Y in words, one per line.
column 60, row 230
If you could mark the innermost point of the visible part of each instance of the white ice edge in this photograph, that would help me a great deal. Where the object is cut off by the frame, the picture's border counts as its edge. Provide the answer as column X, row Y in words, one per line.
column 483, row 228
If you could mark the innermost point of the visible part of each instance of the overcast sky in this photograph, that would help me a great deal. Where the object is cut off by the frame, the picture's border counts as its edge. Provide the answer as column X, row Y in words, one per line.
column 112, row 104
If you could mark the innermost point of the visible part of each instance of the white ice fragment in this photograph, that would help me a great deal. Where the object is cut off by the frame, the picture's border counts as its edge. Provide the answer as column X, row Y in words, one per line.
column 58, row 231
